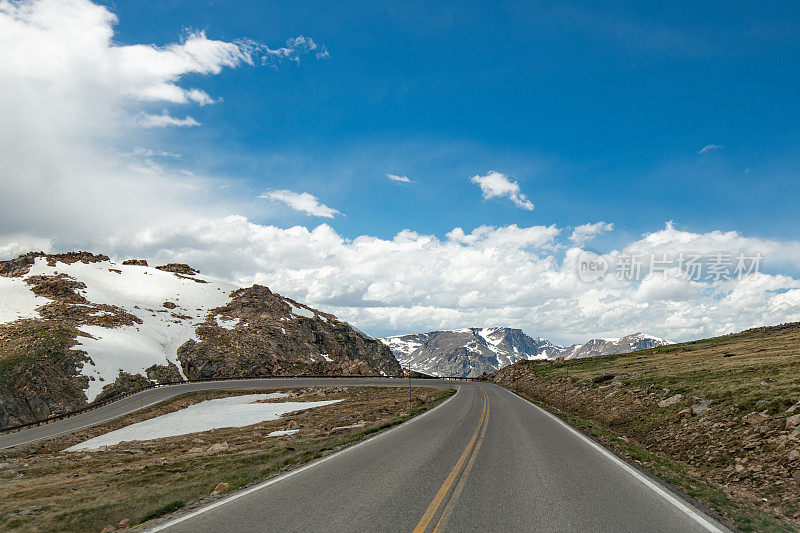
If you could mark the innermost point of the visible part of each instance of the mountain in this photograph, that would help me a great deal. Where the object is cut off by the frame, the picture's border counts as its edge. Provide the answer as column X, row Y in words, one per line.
column 627, row 344
column 79, row 327
column 468, row 351
column 473, row 351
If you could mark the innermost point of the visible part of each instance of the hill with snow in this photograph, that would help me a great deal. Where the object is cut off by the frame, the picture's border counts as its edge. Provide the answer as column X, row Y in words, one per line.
column 79, row 327
column 473, row 351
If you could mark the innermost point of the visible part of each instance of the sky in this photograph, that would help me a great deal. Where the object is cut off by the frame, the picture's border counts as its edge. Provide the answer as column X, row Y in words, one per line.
column 417, row 166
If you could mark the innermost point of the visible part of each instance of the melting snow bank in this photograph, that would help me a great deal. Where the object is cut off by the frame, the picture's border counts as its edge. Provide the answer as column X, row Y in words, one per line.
column 232, row 412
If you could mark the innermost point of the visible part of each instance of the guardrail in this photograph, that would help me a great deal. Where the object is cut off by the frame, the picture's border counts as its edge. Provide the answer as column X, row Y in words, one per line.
column 121, row 396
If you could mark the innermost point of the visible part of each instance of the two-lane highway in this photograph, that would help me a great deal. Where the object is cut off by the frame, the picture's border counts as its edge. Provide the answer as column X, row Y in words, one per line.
column 485, row 460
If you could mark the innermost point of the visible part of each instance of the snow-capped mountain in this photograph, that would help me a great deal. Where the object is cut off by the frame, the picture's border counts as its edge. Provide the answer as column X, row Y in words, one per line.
column 626, row 344
column 77, row 327
column 473, row 351
column 468, row 351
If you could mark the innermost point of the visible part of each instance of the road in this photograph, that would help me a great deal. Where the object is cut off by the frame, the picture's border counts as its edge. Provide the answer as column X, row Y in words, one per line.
column 484, row 460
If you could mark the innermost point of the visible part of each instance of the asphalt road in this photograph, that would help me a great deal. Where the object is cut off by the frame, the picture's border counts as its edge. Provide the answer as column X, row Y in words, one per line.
column 485, row 460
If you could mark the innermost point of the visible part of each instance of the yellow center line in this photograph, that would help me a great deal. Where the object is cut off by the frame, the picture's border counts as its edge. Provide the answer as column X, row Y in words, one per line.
column 451, row 503
column 437, row 500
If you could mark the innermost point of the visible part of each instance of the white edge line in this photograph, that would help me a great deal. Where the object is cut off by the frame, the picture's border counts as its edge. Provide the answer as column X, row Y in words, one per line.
column 691, row 513
column 291, row 473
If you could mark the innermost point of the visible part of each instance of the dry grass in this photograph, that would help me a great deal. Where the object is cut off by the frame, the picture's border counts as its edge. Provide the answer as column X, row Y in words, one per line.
column 745, row 469
column 42, row 489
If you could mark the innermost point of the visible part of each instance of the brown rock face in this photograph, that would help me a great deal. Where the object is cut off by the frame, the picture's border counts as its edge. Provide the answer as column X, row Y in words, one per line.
column 178, row 268
column 269, row 339
column 135, row 262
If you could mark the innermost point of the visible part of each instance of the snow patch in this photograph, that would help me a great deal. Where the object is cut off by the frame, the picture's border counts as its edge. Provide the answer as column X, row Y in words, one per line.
column 18, row 300
column 232, row 412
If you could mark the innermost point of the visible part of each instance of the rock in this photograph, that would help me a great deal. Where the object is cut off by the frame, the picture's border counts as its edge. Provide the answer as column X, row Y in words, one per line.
column 221, row 487
column 701, row 406
column 135, row 262
column 108, row 529
column 178, row 268
column 125, row 522
column 672, row 400
column 4, row 465
column 195, row 450
column 686, row 412
column 793, row 408
column 794, row 454
column 755, row 418
column 169, row 305
column 792, row 421
column 218, row 447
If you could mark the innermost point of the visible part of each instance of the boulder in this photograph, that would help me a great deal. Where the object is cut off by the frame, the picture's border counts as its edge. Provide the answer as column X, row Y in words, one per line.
column 218, row 447
column 108, row 529
column 792, row 421
column 672, row 400
column 221, row 487
column 124, row 523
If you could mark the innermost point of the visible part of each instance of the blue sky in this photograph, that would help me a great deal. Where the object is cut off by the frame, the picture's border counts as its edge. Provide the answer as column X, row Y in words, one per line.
column 210, row 133
column 598, row 114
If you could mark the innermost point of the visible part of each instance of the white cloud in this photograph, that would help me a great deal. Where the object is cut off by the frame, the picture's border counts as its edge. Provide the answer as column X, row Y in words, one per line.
column 164, row 120
column 497, row 185
column 586, row 232
column 73, row 101
column 395, row 177
column 710, row 148
column 303, row 201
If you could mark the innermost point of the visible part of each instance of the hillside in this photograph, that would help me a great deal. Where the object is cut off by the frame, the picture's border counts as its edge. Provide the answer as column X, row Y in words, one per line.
column 720, row 417
column 78, row 327
column 474, row 351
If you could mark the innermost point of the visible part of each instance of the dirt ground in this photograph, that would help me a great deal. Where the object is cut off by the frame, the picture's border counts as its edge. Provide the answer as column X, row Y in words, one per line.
column 43, row 488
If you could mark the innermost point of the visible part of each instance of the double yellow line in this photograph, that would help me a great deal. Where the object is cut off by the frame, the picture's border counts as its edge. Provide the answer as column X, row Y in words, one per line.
column 468, row 457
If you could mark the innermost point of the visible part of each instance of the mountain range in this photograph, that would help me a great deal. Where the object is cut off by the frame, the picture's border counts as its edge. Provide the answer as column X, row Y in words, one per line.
column 474, row 351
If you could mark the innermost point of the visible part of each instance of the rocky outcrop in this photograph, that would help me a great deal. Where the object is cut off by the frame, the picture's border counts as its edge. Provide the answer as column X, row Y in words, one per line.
column 178, row 268
column 39, row 371
column 269, row 337
column 135, row 262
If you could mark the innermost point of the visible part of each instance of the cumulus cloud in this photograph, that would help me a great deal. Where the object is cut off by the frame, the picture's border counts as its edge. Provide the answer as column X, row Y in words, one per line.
column 586, row 232
column 395, row 177
column 303, row 201
column 711, row 148
column 72, row 103
column 497, row 185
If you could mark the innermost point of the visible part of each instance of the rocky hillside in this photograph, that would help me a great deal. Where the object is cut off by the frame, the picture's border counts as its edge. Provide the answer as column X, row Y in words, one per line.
column 79, row 327
column 626, row 344
column 469, row 351
column 474, row 351
column 719, row 417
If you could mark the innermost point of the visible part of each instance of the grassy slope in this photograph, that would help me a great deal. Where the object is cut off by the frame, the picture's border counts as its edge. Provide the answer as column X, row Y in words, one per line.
column 746, row 469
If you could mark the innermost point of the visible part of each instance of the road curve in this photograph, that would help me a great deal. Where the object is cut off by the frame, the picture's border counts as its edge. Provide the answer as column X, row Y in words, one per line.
column 152, row 396
column 485, row 460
